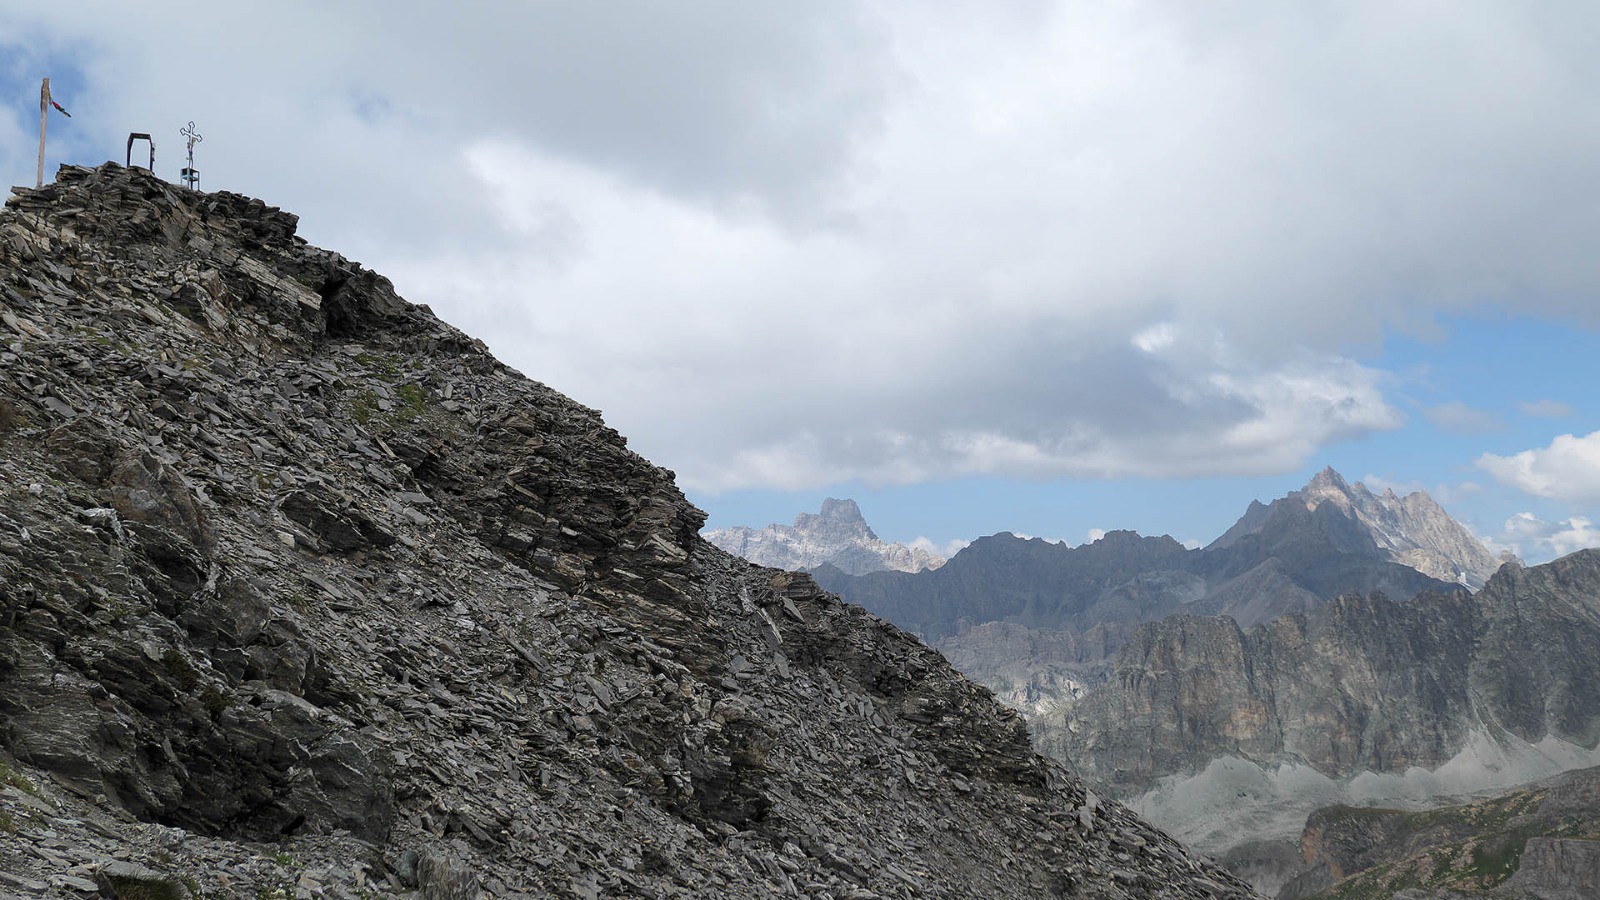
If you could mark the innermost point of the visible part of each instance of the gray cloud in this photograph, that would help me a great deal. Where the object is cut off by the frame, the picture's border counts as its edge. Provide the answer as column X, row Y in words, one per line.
column 1546, row 409
column 1536, row 540
column 1460, row 418
column 794, row 245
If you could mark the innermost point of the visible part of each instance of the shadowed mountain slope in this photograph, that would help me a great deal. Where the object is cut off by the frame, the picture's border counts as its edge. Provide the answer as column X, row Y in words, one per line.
column 303, row 591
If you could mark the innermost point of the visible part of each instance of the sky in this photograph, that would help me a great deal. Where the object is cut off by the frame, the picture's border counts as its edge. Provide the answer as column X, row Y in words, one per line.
column 1046, row 267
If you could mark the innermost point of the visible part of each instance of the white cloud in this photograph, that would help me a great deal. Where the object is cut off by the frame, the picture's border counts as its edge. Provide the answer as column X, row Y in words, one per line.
column 1156, row 338
column 946, row 549
column 1460, row 418
column 1537, row 540
column 787, row 247
column 1096, row 534
column 1546, row 409
column 1444, row 494
column 1568, row 469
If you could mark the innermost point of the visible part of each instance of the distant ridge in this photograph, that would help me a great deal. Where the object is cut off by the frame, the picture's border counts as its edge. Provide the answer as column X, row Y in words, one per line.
column 837, row 536
column 1412, row 530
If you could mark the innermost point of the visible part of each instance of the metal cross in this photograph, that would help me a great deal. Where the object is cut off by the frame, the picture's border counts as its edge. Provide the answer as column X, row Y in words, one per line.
column 191, row 175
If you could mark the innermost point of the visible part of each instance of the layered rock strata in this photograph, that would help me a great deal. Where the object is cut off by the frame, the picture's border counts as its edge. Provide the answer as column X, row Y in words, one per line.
column 301, row 591
column 1225, row 735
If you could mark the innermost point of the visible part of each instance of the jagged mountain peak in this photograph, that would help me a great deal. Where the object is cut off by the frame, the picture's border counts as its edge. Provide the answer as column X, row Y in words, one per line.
column 837, row 535
column 840, row 518
column 837, row 510
column 1412, row 530
column 1327, row 482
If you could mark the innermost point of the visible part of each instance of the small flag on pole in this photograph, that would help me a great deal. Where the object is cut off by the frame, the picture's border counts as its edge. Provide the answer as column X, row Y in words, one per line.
column 59, row 109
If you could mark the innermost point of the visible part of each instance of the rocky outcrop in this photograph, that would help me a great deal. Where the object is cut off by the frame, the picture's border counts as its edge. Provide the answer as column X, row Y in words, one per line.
column 1222, row 734
column 303, row 593
column 838, row 536
column 1539, row 841
column 1558, row 869
column 1031, row 670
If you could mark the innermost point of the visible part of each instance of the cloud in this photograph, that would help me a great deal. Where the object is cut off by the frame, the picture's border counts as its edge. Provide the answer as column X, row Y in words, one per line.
column 1546, row 409
column 1460, row 418
column 1568, row 469
column 946, row 549
column 787, row 247
column 1096, row 534
column 1537, row 540
column 1445, row 494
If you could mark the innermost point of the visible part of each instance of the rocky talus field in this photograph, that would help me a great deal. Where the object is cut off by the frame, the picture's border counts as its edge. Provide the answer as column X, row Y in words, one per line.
column 302, row 593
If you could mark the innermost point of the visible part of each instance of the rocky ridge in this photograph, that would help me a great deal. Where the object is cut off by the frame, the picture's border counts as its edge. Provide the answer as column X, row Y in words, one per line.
column 1224, row 735
column 302, row 593
column 837, row 536
column 1541, row 841
column 1086, row 601
column 1412, row 530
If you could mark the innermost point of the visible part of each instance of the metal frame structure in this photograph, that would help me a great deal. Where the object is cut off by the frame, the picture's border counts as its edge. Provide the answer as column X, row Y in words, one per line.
column 139, row 135
column 189, row 175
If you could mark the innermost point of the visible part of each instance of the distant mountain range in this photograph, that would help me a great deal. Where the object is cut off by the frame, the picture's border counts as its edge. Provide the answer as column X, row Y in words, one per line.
column 838, row 536
column 1068, row 609
column 1230, row 690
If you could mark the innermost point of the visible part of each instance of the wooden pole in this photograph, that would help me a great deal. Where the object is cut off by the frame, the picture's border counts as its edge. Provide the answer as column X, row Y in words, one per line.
column 44, row 107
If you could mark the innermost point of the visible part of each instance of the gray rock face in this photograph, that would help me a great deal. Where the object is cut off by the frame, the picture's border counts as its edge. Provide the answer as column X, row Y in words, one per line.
column 1361, row 683
column 1559, row 869
column 302, row 591
column 1501, row 685
column 1535, row 841
column 838, row 536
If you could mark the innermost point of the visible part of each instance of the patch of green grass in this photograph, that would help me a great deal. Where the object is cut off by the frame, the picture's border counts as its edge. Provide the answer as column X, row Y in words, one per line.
column 364, row 406
column 413, row 400
column 180, row 669
column 380, row 363
column 18, row 780
column 1497, row 857
column 214, row 700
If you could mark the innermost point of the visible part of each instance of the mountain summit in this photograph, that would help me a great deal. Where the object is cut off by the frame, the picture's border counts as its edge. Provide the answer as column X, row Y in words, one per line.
column 1412, row 530
column 837, row 536
column 303, row 593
